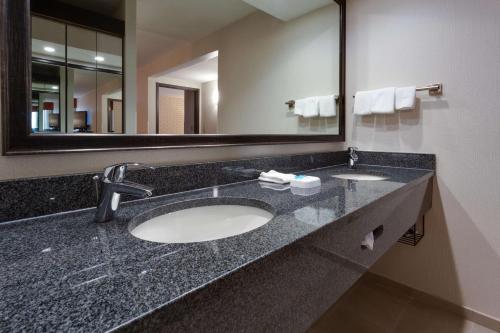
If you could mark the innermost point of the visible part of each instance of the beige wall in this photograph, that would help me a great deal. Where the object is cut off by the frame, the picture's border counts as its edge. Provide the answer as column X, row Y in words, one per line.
column 209, row 108
column 457, row 42
column 263, row 62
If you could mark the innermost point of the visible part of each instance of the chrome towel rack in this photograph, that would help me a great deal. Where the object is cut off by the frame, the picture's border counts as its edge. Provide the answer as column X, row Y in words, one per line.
column 291, row 103
column 435, row 89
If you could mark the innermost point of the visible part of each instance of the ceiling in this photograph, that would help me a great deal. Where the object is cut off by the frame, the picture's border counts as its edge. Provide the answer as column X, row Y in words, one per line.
column 200, row 72
column 163, row 25
column 286, row 10
column 189, row 20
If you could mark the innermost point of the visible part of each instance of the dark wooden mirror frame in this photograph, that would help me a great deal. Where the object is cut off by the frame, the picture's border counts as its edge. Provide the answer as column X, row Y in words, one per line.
column 15, row 80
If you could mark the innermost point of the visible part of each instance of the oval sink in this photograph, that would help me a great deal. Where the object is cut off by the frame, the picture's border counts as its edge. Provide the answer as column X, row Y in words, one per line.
column 200, row 220
column 359, row 176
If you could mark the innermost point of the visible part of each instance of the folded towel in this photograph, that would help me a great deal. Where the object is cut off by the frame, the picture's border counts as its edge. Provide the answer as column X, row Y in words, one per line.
column 368, row 241
column 276, row 177
column 362, row 103
column 405, row 98
column 383, row 100
column 298, row 107
column 327, row 106
column 307, row 107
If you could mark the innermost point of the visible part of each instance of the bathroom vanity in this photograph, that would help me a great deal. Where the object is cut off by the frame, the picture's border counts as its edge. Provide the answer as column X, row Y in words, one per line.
column 67, row 273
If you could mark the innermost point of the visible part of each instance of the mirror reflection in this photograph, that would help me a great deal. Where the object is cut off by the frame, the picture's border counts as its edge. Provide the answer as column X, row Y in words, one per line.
column 187, row 67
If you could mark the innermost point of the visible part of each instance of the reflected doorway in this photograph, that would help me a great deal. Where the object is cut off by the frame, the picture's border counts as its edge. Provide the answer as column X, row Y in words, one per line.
column 177, row 109
column 115, row 115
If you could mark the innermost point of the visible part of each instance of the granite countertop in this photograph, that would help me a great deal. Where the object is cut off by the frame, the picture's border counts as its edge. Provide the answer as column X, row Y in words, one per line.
column 63, row 272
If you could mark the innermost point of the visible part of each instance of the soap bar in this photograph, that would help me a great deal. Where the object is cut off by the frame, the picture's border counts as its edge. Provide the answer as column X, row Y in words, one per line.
column 302, row 181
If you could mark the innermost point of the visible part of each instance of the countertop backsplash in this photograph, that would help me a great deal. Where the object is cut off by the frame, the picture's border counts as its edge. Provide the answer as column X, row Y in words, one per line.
column 31, row 197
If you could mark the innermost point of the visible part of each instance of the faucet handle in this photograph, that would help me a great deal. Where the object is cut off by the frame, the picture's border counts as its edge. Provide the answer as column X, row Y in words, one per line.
column 352, row 149
column 117, row 172
column 96, row 180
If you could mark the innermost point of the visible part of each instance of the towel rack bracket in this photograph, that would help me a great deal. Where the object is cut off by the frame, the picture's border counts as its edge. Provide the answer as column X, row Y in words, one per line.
column 435, row 89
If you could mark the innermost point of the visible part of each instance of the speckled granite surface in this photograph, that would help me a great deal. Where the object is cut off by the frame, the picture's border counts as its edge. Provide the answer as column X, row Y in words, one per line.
column 65, row 273
column 22, row 198
column 399, row 160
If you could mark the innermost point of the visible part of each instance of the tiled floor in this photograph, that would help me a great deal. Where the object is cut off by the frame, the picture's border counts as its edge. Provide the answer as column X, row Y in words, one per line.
column 375, row 305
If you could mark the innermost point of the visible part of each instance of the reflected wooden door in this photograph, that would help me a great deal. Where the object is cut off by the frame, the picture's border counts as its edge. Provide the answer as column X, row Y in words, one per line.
column 177, row 109
column 191, row 102
column 115, row 116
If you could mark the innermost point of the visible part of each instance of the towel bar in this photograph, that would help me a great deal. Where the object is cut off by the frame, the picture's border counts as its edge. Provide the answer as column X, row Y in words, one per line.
column 291, row 103
column 435, row 89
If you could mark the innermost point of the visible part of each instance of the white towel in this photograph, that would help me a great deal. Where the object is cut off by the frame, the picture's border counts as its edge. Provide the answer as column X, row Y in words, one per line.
column 327, row 106
column 307, row 107
column 276, row 177
column 298, row 107
column 368, row 241
column 362, row 103
column 405, row 98
column 383, row 100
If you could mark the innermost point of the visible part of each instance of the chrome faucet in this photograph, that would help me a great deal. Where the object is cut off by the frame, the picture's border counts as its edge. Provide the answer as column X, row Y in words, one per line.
column 353, row 157
column 113, row 185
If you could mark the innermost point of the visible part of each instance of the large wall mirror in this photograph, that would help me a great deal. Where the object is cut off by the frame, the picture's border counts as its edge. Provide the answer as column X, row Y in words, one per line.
column 127, row 74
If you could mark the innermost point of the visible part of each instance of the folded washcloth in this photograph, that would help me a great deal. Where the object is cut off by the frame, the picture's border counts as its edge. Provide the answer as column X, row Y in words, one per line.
column 327, row 106
column 405, row 98
column 362, row 103
column 276, row 177
column 307, row 107
column 383, row 100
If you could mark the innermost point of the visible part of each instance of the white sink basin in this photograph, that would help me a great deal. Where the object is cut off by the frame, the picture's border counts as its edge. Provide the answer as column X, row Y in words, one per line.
column 199, row 224
column 359, row 176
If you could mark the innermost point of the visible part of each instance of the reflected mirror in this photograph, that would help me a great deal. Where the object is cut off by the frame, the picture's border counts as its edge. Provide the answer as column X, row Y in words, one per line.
column 255, row 67
column 83, row 73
